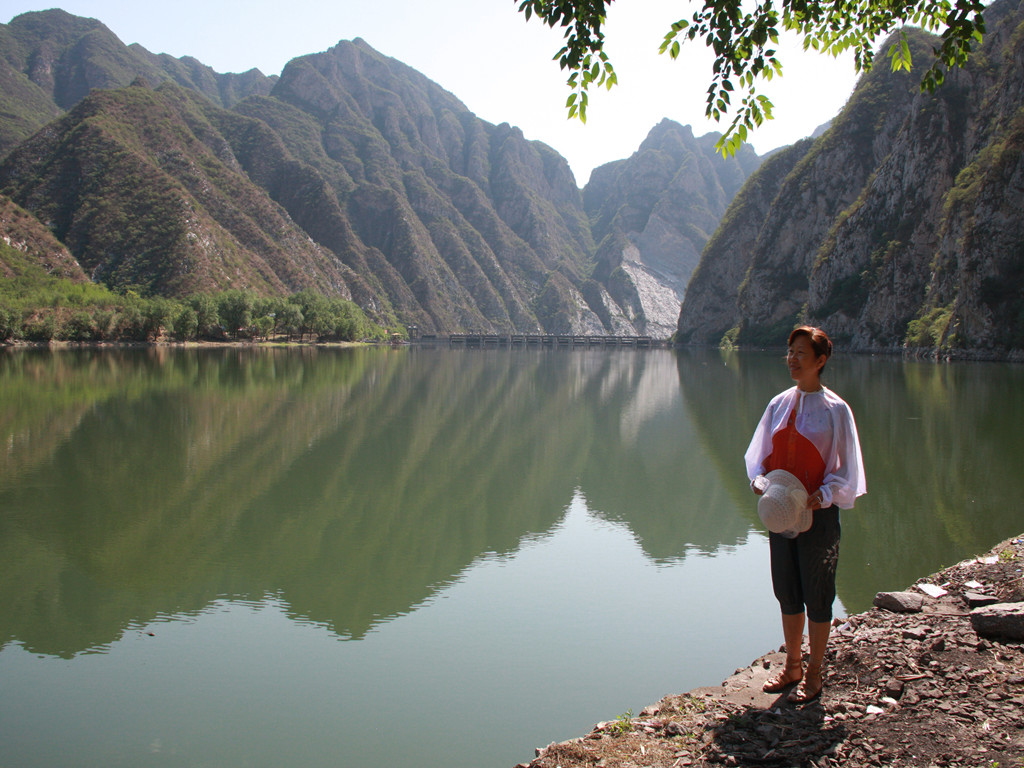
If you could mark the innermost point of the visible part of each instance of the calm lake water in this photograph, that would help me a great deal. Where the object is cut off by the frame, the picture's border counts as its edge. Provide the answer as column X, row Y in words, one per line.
column 430, row 557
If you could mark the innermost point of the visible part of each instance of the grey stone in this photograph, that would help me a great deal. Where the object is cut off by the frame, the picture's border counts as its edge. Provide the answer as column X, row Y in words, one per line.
column 893, row 687
column 1001, row 620
column 899, row 602
column 915, row 633
column 977, row 599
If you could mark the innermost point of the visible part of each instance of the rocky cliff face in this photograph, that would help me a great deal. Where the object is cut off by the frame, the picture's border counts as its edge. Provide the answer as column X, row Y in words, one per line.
column 482, row 228
column 654, row 212
column 352, row 174
column 901, row 226
column 946, row 271
column 827, row 180
column 712, row 302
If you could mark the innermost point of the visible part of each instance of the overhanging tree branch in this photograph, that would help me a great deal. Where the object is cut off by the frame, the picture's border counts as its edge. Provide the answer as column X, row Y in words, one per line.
column 744, row 41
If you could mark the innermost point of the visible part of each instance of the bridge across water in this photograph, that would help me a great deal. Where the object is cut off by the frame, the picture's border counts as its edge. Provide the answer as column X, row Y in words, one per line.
column 542, row 339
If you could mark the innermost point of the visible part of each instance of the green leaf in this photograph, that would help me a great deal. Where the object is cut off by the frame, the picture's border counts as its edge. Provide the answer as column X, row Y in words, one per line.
column 738, row 34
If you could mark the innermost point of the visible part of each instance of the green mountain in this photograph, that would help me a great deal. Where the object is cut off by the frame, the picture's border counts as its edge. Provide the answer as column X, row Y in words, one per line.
column 351, row 174
column 132, row 189
column 50, row 60
column 29, row 246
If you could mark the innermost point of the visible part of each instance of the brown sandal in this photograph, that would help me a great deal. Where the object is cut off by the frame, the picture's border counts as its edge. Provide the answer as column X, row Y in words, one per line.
column 804, row 692
column 780, row 681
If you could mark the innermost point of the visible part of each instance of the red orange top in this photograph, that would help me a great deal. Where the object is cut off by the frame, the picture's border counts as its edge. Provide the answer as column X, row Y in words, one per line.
column 814, row 436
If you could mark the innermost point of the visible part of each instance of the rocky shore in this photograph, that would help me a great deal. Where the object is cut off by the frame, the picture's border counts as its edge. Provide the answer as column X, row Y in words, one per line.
column 931, row 677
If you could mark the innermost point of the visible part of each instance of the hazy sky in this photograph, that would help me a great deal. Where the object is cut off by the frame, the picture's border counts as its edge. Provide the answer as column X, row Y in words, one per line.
column 486, row 54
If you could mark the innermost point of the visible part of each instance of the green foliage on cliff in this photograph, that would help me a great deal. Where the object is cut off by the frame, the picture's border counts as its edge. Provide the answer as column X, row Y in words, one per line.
column 930, row 330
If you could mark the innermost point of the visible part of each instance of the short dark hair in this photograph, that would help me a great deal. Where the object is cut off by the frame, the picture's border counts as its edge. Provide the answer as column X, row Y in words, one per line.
column 820, row 342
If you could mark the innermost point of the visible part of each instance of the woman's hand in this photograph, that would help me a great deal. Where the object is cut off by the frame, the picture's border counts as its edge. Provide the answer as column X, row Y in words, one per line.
column 759, row 485
column 814, row 500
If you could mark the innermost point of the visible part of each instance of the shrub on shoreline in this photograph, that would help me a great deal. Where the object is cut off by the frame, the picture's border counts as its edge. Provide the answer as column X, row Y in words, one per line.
column 62, row 310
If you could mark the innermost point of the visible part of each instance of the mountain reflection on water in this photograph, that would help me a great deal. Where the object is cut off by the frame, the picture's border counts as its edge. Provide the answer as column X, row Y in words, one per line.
column 351, row 484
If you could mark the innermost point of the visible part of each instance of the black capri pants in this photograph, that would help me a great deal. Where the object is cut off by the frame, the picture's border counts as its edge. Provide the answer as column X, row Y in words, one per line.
column 804, row 568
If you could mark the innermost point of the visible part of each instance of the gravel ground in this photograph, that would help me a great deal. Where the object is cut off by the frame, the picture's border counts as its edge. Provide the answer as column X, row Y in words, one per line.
column 917, row 686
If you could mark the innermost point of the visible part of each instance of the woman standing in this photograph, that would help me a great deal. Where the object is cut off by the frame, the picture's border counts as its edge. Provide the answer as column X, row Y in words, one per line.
column 809, row 431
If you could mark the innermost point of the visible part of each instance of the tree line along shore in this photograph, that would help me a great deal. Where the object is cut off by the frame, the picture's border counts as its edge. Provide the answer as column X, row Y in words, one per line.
column 60, row 310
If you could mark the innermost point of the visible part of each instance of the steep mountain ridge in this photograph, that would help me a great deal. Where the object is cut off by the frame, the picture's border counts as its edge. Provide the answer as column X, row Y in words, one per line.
column 823, row 183
column 141, row 200
column 405, row 201
column 52, row 59
column 472, row 216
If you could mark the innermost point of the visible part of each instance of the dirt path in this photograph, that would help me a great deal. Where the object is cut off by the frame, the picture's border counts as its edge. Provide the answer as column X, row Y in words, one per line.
column 920, row 688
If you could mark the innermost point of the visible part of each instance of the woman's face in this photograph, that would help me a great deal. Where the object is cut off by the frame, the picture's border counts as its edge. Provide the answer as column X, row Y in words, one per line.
column 804, row 366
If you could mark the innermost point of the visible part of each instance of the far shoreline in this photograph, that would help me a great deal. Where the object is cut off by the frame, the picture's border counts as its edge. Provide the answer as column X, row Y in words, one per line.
column 927, row 355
